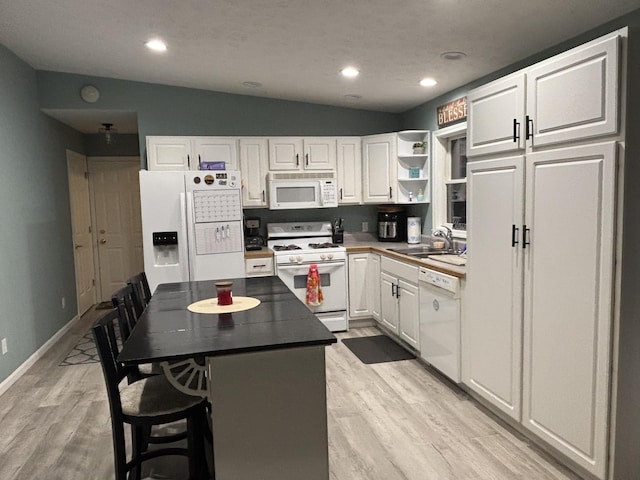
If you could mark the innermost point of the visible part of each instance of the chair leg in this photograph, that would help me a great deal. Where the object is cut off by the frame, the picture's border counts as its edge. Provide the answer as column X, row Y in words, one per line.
column 138, row 445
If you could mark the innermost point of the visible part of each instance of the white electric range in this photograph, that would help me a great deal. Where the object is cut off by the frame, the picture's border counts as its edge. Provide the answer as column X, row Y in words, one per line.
column 298, row 245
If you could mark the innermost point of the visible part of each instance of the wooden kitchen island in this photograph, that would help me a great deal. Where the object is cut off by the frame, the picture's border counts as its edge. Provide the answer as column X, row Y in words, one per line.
column 262, row 369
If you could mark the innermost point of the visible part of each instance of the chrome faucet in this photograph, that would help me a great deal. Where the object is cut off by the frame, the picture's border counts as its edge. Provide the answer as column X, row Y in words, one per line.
column 446, row 234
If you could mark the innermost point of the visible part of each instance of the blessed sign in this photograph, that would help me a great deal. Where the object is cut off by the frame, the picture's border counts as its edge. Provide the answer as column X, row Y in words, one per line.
column 452, row 112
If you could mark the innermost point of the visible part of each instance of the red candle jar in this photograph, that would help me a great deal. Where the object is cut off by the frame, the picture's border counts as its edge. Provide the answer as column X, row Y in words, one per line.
column 224, row 293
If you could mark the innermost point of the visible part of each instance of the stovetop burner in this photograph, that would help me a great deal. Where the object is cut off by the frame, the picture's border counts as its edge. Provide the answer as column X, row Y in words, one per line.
column 279, row 248
column 323, row 245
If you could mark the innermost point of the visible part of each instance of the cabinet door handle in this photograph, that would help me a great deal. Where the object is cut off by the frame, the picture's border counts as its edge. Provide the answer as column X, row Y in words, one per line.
column 390, row 193
column 199, row 162
column 340, row 194
column 393, row 289
column 188, row 161
column 514, row 235
column 297, row 160
column 528, row 131
column 397, row 291
column 306, row 159
column 263, row 196
column 516, row 130
column 526, row 234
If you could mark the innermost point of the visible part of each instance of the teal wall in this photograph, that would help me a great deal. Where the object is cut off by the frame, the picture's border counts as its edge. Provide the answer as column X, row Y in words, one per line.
column 164, row 110
column 36, row 264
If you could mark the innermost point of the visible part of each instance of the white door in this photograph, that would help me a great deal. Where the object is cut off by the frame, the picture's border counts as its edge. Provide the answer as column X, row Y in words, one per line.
column 254, row 165
column 496, row 116
column 409, row 313
column 388, row 301
column 82, row 236
column 349, row 166
column 319, row 153
column 570, row 216
column 575, row 95
column 116, row 199
column 215, row 149
column 492, row 328
column 378, row 165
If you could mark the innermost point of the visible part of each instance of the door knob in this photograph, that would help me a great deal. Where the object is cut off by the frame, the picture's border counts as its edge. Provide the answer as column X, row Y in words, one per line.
column 103, row 241
column 77, row 246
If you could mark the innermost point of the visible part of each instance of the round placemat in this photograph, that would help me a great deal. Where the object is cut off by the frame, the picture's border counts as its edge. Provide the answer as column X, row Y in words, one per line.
column 210, row 305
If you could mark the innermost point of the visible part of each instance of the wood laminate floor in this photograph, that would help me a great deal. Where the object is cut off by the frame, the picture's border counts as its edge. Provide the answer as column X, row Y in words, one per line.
column 388, row 421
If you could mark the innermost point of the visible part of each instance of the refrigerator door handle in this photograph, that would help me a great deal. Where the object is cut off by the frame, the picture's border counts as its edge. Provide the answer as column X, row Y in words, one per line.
column 185, row 248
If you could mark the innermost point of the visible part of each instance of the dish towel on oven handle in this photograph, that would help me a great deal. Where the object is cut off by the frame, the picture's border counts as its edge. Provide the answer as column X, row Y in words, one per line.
column 314, row 291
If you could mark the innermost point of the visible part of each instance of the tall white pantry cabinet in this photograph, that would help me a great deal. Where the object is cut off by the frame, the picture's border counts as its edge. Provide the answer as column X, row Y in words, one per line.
column 551, row 333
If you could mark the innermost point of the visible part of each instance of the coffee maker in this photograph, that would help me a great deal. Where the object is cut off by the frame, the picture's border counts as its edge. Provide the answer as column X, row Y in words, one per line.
column 392, row 223
column 337, row 230
column 252, row 238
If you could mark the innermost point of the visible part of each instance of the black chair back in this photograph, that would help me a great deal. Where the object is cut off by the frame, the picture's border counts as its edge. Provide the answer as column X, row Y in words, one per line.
column 125, row 298
column 141, row 291
column 107, row 345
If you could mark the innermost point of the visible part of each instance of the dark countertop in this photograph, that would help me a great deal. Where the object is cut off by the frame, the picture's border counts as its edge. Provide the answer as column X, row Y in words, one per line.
column 168, row 331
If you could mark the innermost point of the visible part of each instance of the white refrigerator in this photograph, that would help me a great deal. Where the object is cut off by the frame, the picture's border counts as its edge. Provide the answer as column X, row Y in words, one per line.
column 191, row 225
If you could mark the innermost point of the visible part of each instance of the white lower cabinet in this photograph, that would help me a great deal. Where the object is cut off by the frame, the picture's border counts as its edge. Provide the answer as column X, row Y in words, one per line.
column 364, row 285
column 374, row 291
column 400, row 304
column 538, row 317
column 359, row 284
column 259, row 267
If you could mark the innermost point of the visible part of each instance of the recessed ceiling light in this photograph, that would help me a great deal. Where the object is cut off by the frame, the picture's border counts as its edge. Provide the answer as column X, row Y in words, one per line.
column 453, row 55
column 350, row 72
column 156, row 45
column 428, row 82
column 251, row 84
column 352, row 96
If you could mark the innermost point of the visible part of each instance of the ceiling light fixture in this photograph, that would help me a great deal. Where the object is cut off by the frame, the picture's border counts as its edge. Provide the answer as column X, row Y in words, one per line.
column 453, row 55
column 352, row 96
column 156, row 45
column 428, row 82
column 350, row 72
column 251, row 84
column 108, row 131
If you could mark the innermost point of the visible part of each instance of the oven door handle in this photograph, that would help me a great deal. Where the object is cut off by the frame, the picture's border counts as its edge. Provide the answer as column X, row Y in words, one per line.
column 291, row 266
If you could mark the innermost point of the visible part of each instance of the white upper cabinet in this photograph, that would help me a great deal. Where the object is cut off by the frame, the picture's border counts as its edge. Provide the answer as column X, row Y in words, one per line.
column 349, row 168
column 215, row 149
column 254, row 166
column 569, row 97
column 302, row 153
column 574, row 95
column 190, row 153
column 496, row 116
column 379, row 168
column 169, row 153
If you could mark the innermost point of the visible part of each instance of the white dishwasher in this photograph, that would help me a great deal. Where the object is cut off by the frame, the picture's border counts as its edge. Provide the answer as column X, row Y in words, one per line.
column 440, row 321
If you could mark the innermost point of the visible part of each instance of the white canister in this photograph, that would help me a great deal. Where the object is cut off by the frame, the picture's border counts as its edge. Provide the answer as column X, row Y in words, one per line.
column 414, row 231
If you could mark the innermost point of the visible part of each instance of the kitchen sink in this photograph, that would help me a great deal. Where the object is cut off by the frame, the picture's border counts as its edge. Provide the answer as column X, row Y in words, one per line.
column 421, row 252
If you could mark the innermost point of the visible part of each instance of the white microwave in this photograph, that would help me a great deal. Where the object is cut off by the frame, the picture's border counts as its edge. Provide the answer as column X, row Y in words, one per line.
column 302, row 190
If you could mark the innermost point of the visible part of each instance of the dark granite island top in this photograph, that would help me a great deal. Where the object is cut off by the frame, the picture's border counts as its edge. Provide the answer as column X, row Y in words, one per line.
column 167, row 331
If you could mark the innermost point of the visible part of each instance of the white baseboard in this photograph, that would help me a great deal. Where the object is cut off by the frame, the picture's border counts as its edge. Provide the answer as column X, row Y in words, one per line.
column 22, row 369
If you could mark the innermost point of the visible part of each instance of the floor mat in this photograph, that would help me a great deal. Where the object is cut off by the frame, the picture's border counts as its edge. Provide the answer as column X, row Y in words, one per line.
column 377, row 349
column 83, row 353
column 104, row 306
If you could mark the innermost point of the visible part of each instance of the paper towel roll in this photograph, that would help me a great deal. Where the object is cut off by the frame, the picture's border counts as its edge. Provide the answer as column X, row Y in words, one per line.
column 414, row 231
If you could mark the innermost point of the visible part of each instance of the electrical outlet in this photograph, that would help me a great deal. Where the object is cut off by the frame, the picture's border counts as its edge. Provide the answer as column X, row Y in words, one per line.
column 365, row 226
column 4, row 346
column 63, row 302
